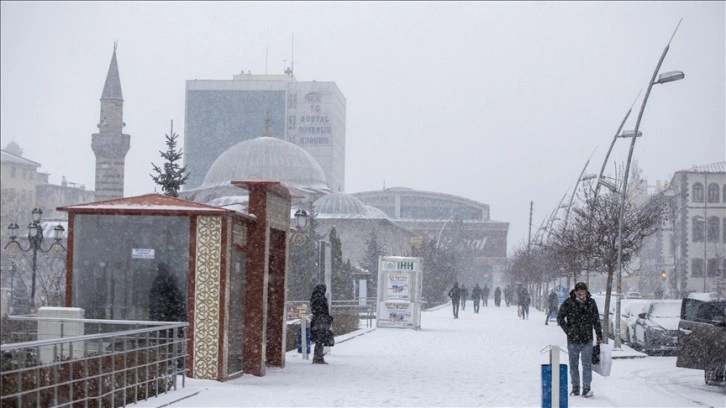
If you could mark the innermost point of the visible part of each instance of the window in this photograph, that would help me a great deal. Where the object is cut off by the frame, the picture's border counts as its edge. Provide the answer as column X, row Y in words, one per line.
column 697, row 231
column 712, row 231
column 291, row 121
column 292, row 101
column 724, row 229
column 712, row 267
column 724, row 193
column 697, row 193
column 697, row 268
column 713, row 193
column 13, row 172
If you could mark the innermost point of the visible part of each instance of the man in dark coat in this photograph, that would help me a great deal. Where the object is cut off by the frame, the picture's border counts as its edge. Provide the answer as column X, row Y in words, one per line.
column 166, row 302
column 507, row 295
column 455, row 295
column 320, row 332
column 578, row 317
column 475, row 297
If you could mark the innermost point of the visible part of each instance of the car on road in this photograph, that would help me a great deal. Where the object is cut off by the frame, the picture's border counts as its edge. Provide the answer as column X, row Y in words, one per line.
column 629, row 311
column 702, row 338
column 633, row 295
column 656, row 328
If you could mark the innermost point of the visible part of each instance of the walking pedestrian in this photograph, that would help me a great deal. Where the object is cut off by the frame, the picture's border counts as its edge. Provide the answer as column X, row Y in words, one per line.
column 455, row 295
column 497, row 296
column 552, row 304
column 485, row 295
column 524, row 301
column 320, row 332
column 476, row 297
column 464, row 294
column 578, row 316
column 507, row 295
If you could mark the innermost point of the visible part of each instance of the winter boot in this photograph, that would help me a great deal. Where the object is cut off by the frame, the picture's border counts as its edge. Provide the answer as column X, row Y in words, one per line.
column 575, row 390
column 319, row 360
column 587, row 393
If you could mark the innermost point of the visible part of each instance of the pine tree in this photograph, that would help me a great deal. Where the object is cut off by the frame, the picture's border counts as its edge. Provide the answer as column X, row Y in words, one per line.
column 172, row 176
column 342, row 279
column 370, row 261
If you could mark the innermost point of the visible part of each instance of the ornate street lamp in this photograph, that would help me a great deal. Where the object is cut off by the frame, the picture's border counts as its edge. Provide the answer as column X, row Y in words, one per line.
column 35, row 239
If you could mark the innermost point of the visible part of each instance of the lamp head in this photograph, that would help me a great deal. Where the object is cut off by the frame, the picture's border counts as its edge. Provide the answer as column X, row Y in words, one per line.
column 301, row 218
column 670, row 77
column 36, row 214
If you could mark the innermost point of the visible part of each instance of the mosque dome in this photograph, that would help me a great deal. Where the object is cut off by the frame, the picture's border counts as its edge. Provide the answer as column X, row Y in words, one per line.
column 341, row 205
column 267, row 158
column 14, row 148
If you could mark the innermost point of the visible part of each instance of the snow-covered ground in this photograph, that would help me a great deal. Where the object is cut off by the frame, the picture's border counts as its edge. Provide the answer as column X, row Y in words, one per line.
column 490, row 359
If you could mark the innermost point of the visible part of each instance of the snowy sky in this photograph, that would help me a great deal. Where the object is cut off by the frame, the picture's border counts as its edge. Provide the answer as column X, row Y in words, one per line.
column 499, row 102
column 490, row 359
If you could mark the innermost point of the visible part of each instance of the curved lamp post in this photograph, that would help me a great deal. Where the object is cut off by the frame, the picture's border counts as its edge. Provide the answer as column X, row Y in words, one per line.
column 661, row 79
column 35, row 239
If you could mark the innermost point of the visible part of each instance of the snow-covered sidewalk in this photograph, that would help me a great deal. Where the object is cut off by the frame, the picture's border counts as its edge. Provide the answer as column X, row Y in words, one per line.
column 490, row 359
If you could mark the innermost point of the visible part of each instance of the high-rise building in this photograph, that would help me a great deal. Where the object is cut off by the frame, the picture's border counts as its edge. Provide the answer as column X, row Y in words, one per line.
column 110, row 144
column 222, row 113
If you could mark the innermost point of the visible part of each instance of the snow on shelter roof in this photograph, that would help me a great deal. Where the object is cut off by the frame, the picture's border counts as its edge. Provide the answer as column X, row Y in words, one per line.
column 147, row 204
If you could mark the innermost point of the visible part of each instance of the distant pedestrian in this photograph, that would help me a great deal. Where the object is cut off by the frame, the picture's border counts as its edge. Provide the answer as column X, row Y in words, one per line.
column 524, row 301
column 498, row 297
column 485, row 295
column 455, row 295
column 464, row 294
column 476, row 297
column 552, row 305
column 507, row 295
column 578, row 316
column 321, row 323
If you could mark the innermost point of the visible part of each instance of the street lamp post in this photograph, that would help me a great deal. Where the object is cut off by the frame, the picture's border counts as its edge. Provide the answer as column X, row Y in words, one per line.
column 35, row 239
column 661, row 79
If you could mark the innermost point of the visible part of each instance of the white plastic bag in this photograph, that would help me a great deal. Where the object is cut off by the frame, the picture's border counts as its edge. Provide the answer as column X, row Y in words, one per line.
column 606, row 360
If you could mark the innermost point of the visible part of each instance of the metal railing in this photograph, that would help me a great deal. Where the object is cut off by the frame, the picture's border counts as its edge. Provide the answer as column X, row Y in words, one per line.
column 112, row 364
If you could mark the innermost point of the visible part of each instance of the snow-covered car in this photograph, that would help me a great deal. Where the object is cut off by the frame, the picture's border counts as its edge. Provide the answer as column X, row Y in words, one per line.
column 629, row 311
column 633, row 295
column 656, row 328
column 702, row 338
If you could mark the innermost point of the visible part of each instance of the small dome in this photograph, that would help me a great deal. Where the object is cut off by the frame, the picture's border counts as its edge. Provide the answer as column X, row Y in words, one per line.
column 14, row 148
column 345, row 206
column 267, row 158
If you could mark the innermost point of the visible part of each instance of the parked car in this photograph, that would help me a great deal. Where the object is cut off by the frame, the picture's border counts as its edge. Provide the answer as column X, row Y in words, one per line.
column 629, row 311
column 600, row 301
column 702, row 338
column 656, row 328
column 633, row 295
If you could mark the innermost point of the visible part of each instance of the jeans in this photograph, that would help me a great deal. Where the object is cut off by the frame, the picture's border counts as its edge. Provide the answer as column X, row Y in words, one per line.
column 575, row 350
column 455, row 305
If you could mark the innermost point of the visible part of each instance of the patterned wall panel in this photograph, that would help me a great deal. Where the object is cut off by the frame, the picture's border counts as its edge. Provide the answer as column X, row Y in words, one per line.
column 206, row 298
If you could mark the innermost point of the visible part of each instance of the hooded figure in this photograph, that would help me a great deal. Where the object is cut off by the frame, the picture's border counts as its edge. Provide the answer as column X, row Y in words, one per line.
column 166, row 302
column 455, row 295
column 320, row 332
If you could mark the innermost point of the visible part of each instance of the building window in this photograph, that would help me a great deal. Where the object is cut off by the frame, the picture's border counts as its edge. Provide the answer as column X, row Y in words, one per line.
column 13, row 172
column 292, row 101
column 724, row 230
column 713, row 229
column 291, row 121
column 724, row 193
column 697, row 231
column 698, row 193
column 713, row 193
column 25, row 173
column 713, row 267
column 697, row 268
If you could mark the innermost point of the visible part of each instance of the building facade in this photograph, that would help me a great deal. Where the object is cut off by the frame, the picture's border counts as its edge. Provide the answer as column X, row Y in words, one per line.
column 432, row 214
column 699, row 229
column 222, row 113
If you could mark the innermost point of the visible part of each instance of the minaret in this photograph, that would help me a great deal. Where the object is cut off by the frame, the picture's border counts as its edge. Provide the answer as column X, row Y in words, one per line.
column 110, row 144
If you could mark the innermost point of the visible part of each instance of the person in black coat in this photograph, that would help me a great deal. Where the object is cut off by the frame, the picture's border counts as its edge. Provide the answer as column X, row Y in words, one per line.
column 497, row 296
column 455, row 295
column 524, row 301
column 476, row 297
column 320, row 332
column 578, row 317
